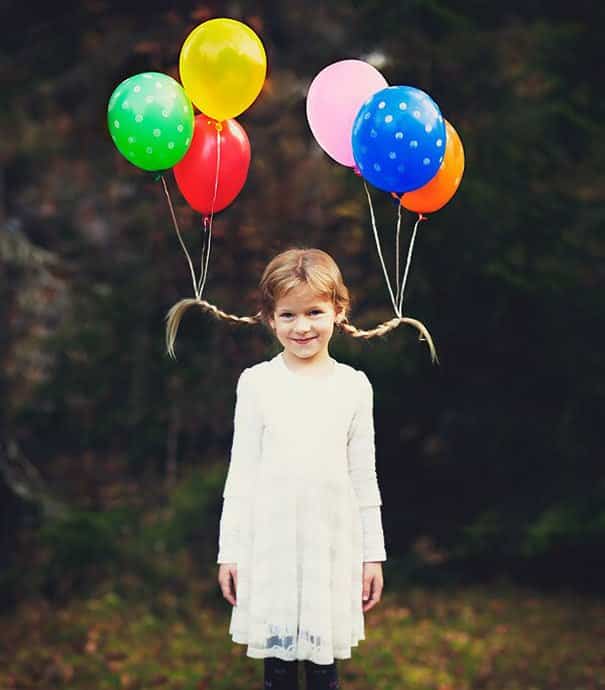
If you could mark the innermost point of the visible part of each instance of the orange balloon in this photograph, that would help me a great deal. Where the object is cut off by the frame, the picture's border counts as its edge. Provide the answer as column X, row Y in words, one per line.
column 440, row 189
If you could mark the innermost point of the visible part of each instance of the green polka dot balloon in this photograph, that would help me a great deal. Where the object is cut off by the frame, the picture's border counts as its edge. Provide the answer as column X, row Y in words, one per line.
column 150, row 119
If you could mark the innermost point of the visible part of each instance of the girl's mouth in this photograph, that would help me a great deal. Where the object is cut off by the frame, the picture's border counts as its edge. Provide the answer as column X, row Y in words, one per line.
column 303, row 340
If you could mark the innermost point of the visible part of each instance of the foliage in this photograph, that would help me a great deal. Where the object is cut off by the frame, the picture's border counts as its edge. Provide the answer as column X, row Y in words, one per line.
column 492, row 454
column 501, row 638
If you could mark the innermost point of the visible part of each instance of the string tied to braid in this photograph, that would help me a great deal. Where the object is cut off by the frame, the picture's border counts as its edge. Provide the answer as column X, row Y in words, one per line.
column 397, row 297
column 175, row 314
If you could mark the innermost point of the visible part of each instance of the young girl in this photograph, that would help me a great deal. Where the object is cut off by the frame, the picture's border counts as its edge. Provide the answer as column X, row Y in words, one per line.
column 301, row 544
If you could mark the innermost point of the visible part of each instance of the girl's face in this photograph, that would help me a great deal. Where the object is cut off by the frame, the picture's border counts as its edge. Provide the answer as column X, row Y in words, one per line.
column 304, row 323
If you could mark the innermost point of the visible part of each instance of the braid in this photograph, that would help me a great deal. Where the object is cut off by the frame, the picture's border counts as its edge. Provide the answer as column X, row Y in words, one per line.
column 387, row 326
column 175, row 314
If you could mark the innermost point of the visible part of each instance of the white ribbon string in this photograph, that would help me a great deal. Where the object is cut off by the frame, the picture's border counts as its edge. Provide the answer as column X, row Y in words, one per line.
column 409, row 259
column 397, row 250
column 176, row 227
column 218, row 164
column 205, row 241
column 386, row 275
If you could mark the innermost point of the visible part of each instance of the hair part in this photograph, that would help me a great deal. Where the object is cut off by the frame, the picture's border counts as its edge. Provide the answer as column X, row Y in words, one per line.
column 288, row 270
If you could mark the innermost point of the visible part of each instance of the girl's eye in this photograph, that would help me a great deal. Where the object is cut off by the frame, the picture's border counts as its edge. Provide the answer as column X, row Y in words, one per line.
column 313, row 311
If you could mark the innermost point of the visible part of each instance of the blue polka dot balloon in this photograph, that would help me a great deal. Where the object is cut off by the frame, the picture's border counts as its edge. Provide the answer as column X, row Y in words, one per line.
column 399, row 139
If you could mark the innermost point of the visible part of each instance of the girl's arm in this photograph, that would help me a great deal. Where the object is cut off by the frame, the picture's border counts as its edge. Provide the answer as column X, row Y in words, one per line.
column 233, row 508
column 245, row 454
column 361, row 454
column 373, row 536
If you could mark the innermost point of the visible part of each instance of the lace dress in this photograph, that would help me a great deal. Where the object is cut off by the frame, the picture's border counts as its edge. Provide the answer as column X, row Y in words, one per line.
column 302, row 466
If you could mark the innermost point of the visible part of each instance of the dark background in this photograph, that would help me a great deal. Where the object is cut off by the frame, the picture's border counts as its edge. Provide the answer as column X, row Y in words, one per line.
column 490, row 464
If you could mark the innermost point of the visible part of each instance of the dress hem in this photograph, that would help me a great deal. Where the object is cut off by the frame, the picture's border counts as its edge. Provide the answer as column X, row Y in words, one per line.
column 256, row 653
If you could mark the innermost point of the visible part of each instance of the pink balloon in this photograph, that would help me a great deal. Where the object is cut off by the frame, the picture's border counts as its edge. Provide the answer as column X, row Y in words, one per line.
column 334, row 99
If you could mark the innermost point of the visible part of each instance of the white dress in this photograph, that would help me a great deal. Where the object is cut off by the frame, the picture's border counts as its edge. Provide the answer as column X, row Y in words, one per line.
column 302, row 466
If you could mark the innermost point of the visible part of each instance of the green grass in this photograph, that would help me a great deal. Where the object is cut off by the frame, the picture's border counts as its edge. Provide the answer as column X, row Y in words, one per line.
column 460, row 638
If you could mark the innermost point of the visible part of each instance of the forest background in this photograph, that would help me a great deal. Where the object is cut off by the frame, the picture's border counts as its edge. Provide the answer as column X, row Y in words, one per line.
column 111, row 453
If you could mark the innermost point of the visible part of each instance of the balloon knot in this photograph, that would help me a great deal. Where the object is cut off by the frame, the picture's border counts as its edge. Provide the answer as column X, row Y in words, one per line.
column 357, row 171
column 422, row 217
column 219, row 127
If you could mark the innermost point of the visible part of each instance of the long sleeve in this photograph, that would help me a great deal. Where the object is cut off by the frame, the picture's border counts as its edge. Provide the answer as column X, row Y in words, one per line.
column 228, row 540
column 373, row 536
column 361, row 454
column 245, row 454
column 361, row 450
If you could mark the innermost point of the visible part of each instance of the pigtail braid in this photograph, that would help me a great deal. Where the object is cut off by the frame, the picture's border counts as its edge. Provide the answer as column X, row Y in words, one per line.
column 176, row 312
column 387, row 326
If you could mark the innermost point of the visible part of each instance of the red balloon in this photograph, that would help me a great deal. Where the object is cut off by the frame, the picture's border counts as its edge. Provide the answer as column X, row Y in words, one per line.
column 195, row 173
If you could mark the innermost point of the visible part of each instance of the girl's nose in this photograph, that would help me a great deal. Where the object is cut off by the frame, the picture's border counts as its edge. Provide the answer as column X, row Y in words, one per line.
column 302, row 325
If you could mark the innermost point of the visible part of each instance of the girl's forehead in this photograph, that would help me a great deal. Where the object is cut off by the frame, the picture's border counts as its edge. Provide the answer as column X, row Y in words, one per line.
column 302, row 297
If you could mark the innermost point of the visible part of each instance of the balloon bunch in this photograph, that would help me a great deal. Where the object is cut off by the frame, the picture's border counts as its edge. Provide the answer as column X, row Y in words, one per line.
column 394, row 137
column 222, row 66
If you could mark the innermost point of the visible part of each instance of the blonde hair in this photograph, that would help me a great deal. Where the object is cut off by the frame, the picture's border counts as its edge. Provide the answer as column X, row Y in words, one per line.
column 290, row 269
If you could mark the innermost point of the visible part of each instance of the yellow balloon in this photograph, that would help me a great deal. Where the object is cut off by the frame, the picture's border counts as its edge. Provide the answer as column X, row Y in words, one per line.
column 222, row 67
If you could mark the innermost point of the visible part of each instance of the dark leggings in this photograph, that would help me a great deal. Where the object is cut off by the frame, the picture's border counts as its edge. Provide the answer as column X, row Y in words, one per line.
column 283, row 675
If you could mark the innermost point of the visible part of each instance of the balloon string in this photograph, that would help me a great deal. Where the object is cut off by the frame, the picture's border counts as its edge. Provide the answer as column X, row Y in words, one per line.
column 409, row 259
column 204, row 251
column 176, row 227
column 386, row 276
column 216, row 176
column 397, row 250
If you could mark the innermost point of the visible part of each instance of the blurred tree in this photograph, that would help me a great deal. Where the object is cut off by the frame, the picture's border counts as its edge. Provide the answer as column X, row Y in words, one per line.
column 483, row 450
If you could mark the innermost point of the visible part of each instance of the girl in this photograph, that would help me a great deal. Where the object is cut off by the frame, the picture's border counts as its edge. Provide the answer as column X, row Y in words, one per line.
column 301, row 543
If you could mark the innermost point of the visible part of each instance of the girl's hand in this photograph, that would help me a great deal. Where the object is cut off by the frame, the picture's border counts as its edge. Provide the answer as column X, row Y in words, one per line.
column 226, row 573
column 372, row 584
